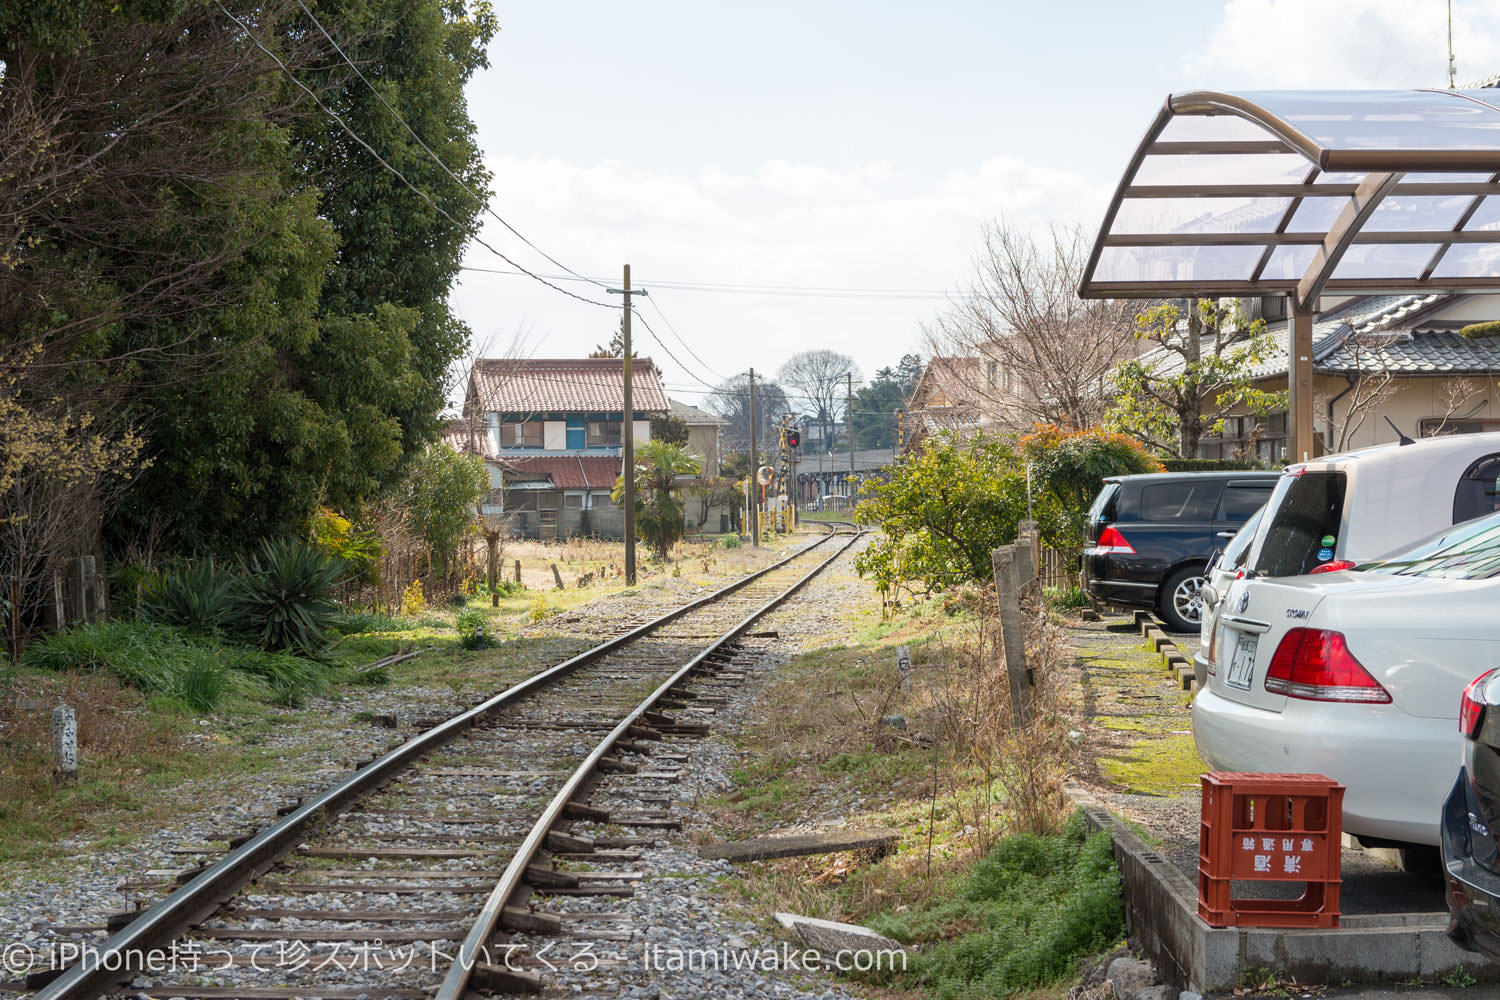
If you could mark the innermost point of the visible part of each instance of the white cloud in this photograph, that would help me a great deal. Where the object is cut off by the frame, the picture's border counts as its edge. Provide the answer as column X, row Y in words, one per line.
column 1330, row 44
column 868, row 227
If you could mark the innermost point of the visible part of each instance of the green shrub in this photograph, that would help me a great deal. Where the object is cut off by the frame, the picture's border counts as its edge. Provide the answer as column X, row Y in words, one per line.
column 288, row 598
column 731, row 541
column 201, row 683
column 458, row 600
column 475, row 629
column 288, row 679
column 1066, row 597
column 125, row 582
column 155, row 659
column 505, row 588
column 198, row 596
column 1035, row 905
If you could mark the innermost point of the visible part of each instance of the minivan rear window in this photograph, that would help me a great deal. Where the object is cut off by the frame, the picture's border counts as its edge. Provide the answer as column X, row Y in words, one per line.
column 1186, row 500
column 1302, row 523
column 1103, row 506
column 1478, row 490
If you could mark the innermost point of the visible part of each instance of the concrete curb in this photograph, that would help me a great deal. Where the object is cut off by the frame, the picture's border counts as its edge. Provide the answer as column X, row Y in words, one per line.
column 1161, row 915
column 1180, row 664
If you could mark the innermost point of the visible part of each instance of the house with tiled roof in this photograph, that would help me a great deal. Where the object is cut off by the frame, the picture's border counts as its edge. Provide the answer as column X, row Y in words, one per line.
column 949, row 396
column 551, row 431
column 1383, row 366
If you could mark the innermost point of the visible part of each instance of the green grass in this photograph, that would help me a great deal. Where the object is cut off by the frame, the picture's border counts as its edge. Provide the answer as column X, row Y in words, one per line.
column 1165, row 765
column 1020, row 918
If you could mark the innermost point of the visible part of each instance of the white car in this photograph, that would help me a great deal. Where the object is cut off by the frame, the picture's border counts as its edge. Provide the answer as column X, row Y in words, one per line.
column 1223, row 569
column 1357, row 674
column 1343, row 509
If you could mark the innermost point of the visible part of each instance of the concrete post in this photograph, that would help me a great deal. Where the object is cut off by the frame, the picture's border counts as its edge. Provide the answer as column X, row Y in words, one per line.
column 1012, row 634
column 903, row 668
column 65, row 741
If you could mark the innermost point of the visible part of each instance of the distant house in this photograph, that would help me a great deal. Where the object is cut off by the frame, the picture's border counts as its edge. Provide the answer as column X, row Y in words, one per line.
column 703, row 435
column 703, row 429
column 949, row 397
column 552, row 434
column 1383, row 366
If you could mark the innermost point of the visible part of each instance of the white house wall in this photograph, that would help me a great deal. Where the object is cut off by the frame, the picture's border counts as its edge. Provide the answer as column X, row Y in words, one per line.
column 555, row 435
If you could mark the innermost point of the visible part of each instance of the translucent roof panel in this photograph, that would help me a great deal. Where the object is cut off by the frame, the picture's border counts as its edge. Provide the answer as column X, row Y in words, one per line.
column 1341, row 120
column 1200, row 215
column 1306, row 192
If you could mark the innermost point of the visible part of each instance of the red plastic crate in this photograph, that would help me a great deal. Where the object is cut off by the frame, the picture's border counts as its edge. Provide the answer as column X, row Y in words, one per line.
column 1270, row 828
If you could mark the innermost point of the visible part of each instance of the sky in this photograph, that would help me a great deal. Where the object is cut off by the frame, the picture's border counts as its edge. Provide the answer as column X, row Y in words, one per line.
column 783, row 176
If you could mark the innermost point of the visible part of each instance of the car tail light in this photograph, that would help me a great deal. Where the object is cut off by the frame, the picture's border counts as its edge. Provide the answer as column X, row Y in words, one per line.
column 1470, row 708
column 1332, row 567
column 1315, row 664
column 1111, row 541
column 1213, row 648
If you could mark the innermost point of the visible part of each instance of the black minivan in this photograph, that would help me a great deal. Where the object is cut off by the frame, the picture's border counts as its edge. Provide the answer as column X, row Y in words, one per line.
column 1151, row 536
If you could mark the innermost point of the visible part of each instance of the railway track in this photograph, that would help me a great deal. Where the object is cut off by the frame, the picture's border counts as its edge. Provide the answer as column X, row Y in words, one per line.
column 414, row 877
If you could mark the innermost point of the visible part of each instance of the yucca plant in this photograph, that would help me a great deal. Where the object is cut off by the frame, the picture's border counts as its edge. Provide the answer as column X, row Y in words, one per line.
column 198, row 596
column 287, row 598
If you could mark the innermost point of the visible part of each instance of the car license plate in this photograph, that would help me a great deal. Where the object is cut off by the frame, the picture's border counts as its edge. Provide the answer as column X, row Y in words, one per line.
column 1242, row 663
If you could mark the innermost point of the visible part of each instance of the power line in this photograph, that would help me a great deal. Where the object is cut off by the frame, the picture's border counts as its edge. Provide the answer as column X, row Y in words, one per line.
column 684, row 343
column 402, row 177
column 482, row 202
column 800, row 291
column 637, row 314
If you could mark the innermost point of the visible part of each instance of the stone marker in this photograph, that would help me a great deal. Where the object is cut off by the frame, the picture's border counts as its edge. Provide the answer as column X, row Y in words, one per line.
column 831, row 937
column 557, row 577
column 903, row 668
column 65, row 741
column 763, row 848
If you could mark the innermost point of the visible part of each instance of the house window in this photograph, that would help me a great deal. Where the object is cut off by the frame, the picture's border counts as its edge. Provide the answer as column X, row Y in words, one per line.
column 992, row 370
column 1439, row 426
column 604, row 434
column 573, row 501
column 521, row 434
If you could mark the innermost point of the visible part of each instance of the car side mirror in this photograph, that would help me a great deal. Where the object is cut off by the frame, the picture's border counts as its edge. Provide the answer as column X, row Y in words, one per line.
column 1209, row 596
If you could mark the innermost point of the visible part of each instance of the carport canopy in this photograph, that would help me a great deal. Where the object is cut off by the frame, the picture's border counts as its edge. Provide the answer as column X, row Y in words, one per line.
column 1305, row 193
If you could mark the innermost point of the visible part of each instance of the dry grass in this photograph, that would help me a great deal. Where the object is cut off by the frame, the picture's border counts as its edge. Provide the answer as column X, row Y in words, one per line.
column 954, row 780
column 121, row 744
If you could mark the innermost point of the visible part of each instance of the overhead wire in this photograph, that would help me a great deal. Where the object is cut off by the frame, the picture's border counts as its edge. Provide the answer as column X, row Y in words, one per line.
column 684, row 343
column 800, row 291
column 482, row 202
column 402, row 177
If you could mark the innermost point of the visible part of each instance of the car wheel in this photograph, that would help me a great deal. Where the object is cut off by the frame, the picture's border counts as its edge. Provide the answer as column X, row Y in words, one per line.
column 1181, row 604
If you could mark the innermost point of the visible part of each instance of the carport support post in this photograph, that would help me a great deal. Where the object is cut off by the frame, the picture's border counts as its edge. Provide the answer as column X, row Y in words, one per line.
column 1299, row 430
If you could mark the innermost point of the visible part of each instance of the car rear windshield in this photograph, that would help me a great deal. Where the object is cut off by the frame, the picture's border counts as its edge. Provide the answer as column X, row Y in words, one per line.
column 1103, row 506
column 1239, row 545
column 1301, row 524
column 1186, row 500
column 1469, row 551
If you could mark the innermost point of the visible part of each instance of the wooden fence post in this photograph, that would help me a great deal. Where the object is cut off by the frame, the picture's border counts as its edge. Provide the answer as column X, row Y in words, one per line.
column 557, row 577
column 518, row 571
column 1012, row 633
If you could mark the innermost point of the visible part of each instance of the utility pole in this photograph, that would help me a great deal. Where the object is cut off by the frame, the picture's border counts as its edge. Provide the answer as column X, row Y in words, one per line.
column 849, row 428
column 627, row 432
column 754, row 469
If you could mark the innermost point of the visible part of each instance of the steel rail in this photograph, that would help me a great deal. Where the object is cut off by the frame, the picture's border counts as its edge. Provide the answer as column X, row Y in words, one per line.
column 119, row 956
column 456, row 983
